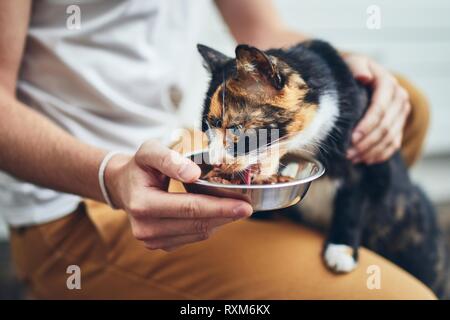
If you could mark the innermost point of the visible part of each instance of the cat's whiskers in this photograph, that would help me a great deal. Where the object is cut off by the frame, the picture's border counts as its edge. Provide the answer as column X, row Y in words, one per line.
column 240, row 175
column 280, row 142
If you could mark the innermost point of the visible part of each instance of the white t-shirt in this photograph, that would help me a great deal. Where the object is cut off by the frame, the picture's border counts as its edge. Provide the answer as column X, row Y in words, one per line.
column 107, row 83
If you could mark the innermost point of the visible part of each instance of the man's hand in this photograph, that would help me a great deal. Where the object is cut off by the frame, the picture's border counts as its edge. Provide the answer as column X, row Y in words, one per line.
column 379, row 134
column 160, row 219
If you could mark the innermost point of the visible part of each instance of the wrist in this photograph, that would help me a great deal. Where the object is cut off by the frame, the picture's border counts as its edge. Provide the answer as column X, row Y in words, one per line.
column 111, row 177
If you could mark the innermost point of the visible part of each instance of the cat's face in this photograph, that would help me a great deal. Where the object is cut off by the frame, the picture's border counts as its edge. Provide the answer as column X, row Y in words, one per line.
column 254, row 108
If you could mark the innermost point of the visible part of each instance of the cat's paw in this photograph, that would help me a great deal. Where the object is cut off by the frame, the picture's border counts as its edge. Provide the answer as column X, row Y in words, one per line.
column 339, row 258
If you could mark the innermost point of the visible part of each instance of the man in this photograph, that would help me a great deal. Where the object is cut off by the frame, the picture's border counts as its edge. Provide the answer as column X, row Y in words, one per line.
column 69, row 97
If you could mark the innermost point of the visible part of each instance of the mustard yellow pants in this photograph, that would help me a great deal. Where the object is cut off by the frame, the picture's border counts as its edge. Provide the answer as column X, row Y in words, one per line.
column 244, row 260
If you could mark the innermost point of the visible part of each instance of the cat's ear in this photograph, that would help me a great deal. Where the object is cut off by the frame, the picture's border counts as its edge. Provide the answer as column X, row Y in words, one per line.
column 213, row 58
column 253, row 61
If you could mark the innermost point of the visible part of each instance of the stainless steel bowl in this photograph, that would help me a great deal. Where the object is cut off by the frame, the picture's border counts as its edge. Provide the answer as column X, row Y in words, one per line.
column 265, row 197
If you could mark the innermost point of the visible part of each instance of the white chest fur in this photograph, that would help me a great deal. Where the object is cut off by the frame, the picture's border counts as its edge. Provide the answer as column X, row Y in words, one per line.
column 317, row 207
column 323, row 122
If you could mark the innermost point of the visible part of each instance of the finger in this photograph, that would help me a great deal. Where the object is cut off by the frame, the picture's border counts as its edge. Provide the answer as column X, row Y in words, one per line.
column 388, row 146
column 169, row 242
column 381, row 152
column 381, row 99
column 372, row 139
column 160, row 228
column 386, row 154
column 393, row 132
column 153, row 155
column 385, row 133
column 160, row 204
column 360, row 69
column 175, row 247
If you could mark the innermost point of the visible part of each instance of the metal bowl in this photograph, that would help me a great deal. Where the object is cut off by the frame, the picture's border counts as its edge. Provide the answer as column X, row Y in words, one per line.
column 264, row 197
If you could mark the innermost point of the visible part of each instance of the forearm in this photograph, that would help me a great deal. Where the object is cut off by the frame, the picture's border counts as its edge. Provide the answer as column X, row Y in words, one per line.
column 257, row 22
column 33, row 148
column 36, row 150
column 274, row 38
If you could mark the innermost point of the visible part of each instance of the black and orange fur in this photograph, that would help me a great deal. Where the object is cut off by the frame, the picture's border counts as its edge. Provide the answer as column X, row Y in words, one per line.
column 375, row 205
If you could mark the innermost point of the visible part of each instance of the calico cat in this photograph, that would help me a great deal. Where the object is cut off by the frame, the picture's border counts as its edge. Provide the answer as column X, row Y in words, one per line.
column 308, row 94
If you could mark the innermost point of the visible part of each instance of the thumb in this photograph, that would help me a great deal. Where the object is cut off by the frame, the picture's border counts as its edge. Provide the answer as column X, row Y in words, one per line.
column 169, row 162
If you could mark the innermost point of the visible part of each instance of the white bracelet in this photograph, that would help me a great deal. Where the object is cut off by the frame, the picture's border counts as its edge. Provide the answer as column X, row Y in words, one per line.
column 101, row 177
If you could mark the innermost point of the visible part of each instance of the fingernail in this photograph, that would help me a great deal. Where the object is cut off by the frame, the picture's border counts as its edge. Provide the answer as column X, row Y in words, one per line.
column 242, row 211
column 188, row 171
column 357, row 136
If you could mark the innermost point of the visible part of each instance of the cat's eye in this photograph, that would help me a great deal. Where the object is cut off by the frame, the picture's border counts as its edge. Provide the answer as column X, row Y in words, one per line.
column 216, row 122
column 235, row 130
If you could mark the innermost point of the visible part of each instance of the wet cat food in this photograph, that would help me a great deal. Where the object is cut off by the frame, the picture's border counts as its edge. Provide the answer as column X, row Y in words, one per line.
column 216, row 175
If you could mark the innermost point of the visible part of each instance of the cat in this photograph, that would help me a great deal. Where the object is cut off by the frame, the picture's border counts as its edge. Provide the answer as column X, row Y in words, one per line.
column 308, row 94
